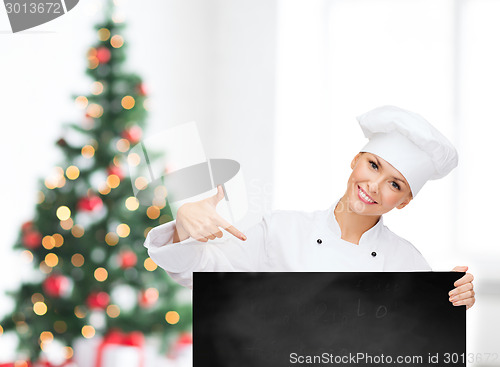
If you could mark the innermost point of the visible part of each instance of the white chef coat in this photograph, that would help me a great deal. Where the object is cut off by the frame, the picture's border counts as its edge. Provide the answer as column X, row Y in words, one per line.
column 285, row 241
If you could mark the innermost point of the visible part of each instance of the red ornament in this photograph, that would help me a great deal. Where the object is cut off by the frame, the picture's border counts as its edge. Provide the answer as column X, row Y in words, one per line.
column 103, row 54
column 148, row 297
column 89, row 204
column 27, row 226
column 127, row 259
column 98, row 300
column 185, row 339
column 57, row 285
column 141, row 89
column 32, row 239
column 114, row 170
column 133, row 134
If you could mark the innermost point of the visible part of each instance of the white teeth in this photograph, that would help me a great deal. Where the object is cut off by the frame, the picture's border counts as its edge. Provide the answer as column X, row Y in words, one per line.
column 363, row 195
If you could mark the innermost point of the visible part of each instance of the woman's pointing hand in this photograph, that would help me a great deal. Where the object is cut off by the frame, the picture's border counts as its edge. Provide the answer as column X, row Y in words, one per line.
column 200, row 220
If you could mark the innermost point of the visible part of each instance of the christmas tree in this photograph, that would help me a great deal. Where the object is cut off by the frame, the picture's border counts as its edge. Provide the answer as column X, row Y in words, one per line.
column 86, row 238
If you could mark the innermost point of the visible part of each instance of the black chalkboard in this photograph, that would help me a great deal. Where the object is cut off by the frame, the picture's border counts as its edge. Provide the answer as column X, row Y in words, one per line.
column 326, row 319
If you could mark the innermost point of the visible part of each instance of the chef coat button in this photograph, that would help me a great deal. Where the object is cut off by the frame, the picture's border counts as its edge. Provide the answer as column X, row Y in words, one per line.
column 319, row 241
column 374, row 254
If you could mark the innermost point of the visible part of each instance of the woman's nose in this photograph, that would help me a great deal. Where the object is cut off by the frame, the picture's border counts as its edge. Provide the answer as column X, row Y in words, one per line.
column 373, row 186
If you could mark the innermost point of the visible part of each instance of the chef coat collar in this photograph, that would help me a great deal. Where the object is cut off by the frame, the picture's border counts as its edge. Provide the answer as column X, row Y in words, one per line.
column 369, row 235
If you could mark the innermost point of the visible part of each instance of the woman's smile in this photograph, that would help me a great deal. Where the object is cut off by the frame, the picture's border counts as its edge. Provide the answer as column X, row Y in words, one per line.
column 365, row 197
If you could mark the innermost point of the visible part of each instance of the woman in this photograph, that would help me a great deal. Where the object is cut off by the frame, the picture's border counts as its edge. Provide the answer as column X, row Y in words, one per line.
column 404, row 151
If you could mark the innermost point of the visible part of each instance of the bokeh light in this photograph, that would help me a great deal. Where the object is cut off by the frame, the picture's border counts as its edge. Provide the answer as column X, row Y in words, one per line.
column 68, row 352
column 48, row 242
column 63, row 213
column 113, row 181
column 172, row 317
column 95, row 110
column 132, row 203
column 103, row 34
column 72, row 172
column 80, row 312
column 88, row 331
column 59, row 239
column 133, row 159
column 97, row 88
column 40, row 308
column 93, row 62
column 37, row 297
column 153, row 212
column 51, row 260
column 150, row 265
column 113, row 311
column 46, row 337
column 117, row 161
column 67, row 224
column 141, row 183
column 116, row 41
column 55, row 178
column 123, row 145
column 77, row 260
column 104, row 189
column 27, row 256
column 44, row 268
column 111, row 238
column 128, row 102
column 123, row 230
column 100, row 274
column 40, row 197
column 77, row 231
column 88, row 151
column 81, row 102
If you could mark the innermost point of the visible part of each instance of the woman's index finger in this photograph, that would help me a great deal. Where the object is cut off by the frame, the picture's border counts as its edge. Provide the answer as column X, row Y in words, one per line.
column 221, row 222
column 235, row 232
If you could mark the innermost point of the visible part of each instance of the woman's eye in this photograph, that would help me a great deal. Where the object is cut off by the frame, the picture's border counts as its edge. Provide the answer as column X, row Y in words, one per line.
column 374, row 165
column 395, row 185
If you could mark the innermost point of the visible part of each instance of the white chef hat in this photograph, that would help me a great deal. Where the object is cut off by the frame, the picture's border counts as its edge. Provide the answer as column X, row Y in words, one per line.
column 409, row 143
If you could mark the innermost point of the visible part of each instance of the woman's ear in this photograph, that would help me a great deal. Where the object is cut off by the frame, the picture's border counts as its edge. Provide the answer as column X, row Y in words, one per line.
column 406, row 202
column 355, row 160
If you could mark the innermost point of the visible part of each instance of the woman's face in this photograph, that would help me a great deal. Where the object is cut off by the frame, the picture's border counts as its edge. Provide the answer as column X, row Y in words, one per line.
column 375, row 187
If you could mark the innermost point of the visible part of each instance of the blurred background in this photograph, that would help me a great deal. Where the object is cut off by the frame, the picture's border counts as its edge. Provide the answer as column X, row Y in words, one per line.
column 276, row 85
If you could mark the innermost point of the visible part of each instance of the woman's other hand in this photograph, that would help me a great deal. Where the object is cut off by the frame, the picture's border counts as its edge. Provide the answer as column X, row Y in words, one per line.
column 200, row 220
column 463, row 294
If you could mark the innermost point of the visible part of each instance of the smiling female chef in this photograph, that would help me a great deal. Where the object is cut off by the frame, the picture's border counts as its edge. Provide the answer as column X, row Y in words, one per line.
column 403, row 152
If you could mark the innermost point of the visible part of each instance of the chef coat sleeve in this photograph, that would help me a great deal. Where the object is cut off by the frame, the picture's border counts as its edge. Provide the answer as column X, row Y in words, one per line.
column 181, row 259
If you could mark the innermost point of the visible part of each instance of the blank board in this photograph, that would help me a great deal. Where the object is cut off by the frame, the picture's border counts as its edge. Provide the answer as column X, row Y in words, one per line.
column 326, row 319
